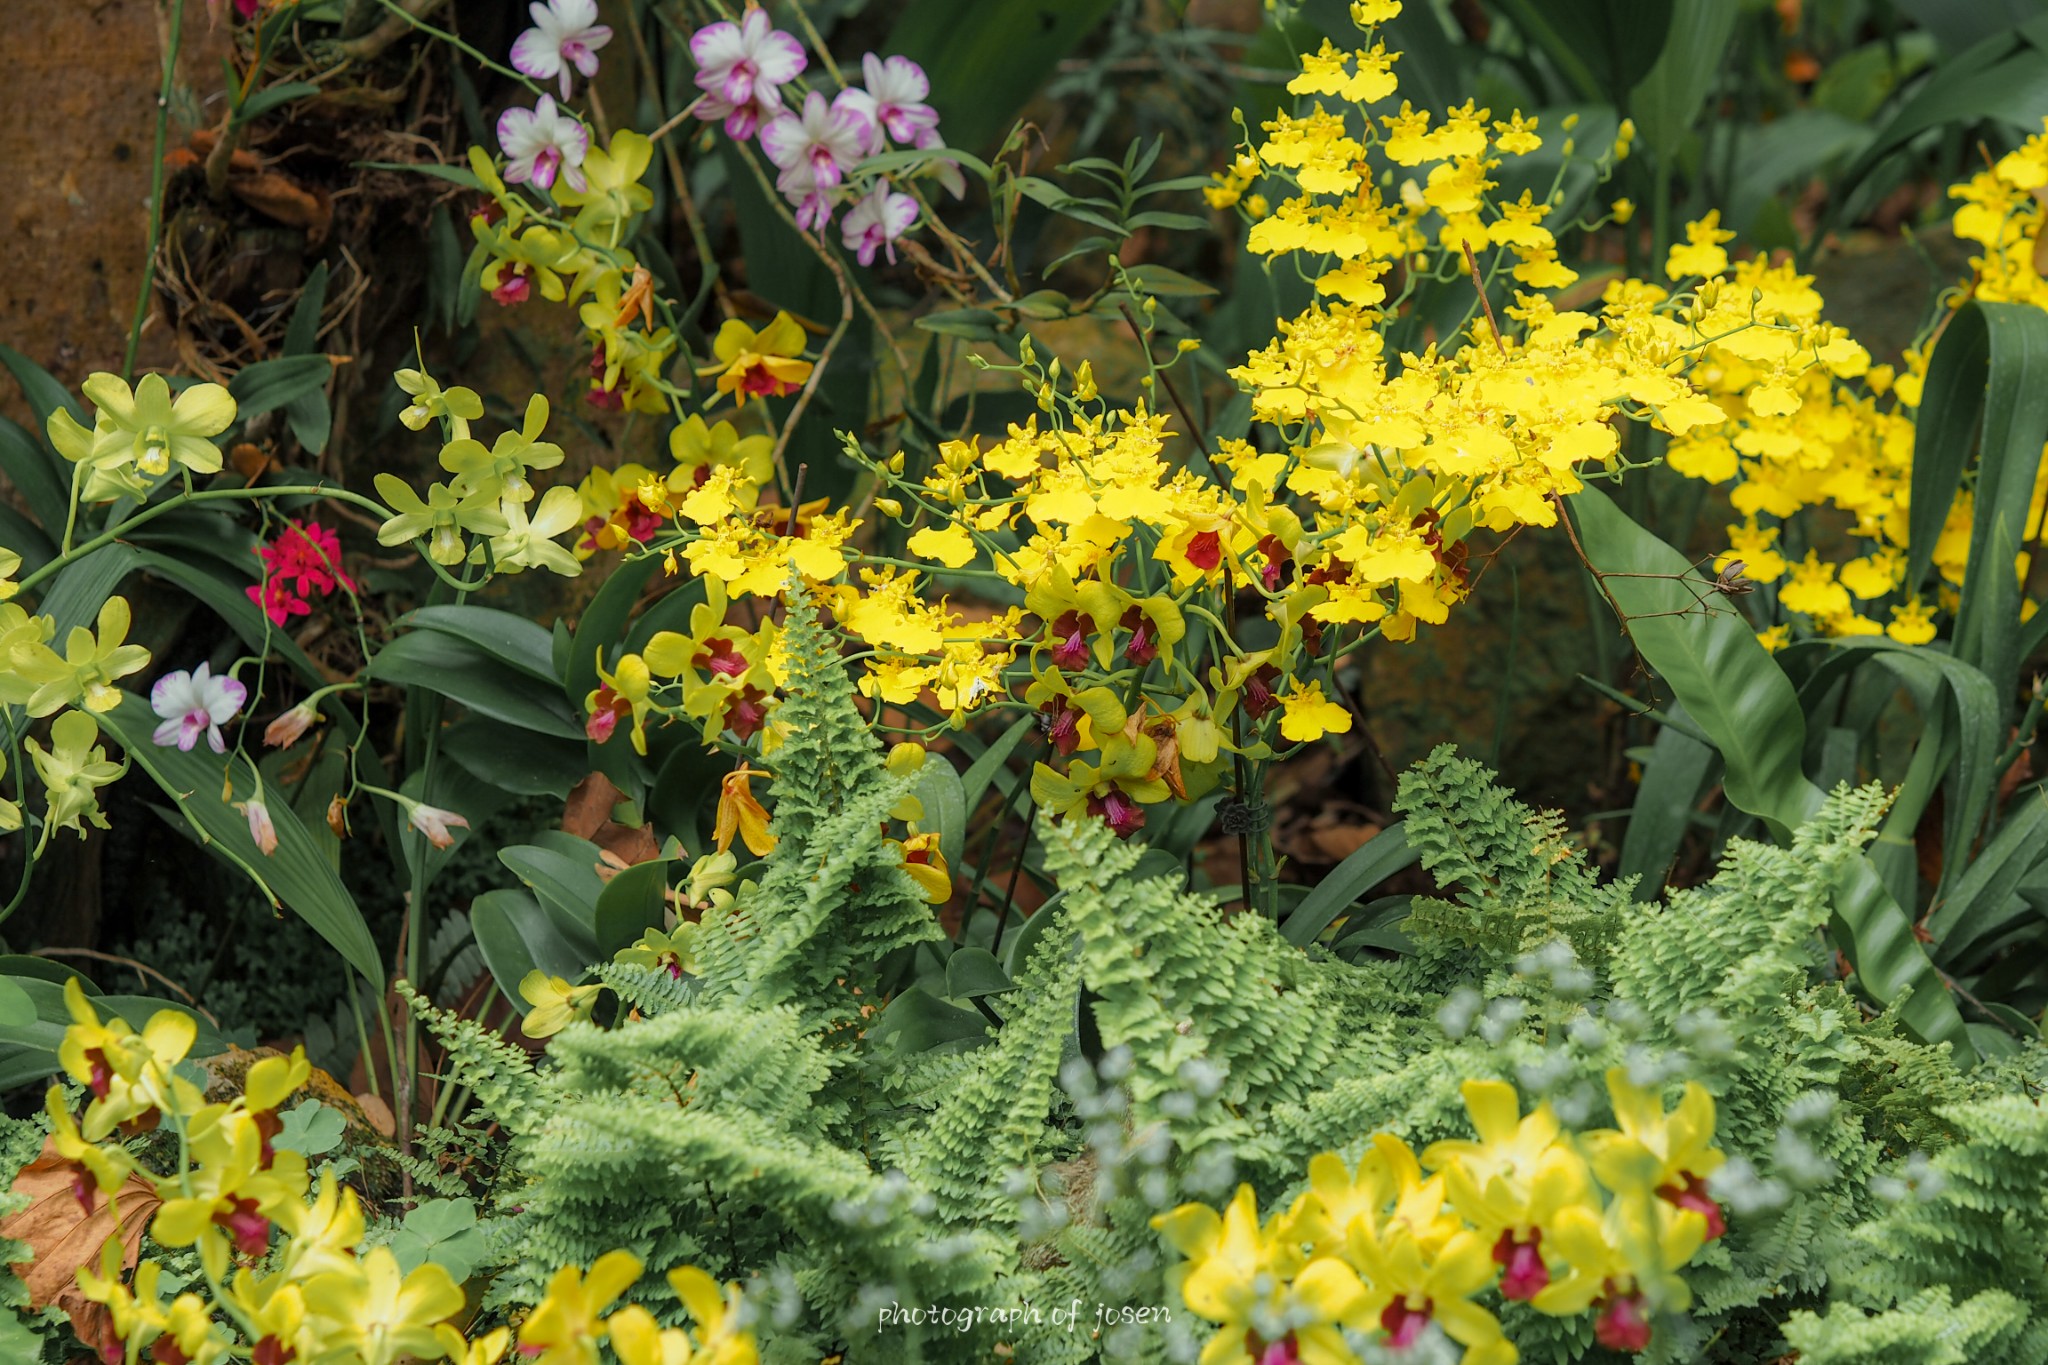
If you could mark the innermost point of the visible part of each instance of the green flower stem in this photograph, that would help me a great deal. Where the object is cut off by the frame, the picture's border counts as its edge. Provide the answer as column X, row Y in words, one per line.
column 106, row 538
column 15, row 759
column 172, row 39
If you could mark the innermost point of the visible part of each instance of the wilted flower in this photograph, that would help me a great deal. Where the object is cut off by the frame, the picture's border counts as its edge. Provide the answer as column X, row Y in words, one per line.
column 193, row 704
column 434, row 822
column 565, row 34
column 739, row 813
column 741, row 67
column 542, row 142
column 260, row 827
column 288, row 728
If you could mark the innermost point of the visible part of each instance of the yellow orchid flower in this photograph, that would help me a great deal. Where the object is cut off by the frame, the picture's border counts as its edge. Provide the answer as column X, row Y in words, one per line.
column 740, row 814
column 763, row 364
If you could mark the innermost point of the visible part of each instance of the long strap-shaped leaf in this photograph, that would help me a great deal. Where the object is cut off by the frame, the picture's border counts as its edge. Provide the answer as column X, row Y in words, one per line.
column 1735, row 693
column 1992, row 360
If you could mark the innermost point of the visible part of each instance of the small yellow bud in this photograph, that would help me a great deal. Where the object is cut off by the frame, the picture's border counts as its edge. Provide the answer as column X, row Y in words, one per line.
column 1256, row 205
column 896, row 463
column 1052, row 371
column 889, row 507
column 906, row 758
column 1084, row 383
column 1624, row 210
column 1186, row 344
column 1571, row 121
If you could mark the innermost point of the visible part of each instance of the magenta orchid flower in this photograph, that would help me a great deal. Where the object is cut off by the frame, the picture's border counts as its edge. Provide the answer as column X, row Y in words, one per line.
column 894, row 99
column 565, row 36
column 543, row 142
column 876, row 222
column 194, row 704
column 815, row 149
column 741, row 68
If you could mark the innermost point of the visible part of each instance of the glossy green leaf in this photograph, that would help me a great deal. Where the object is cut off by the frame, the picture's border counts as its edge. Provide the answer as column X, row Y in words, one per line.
column 633, row 902
column 972, row 972
column 18, row 1011
column 1965, row 916
column 82, row 587
column 1665, row 798
column 567, row 885
column 604, row 622
column 44, row 394
column 512, row 639
column 938, row 789
column 42, row 477
column 1710, row 659
column 1023, row 938
column 1736, row 693
column 534, row 765
column 270, row 384
column 1668, row 100
column 1371, row 863
column 243, row 616
column 515, row 936
column 459, row 670
column 2011, row 369
column 297, row 876
column 918, row 1021
column 1601, row 47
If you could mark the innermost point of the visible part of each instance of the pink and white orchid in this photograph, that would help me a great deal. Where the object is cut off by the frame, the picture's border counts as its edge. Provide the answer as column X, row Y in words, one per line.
column 894, row 99
column 543, row 142
column 741, row 68
column 876, row 222
column 565, row 35
column 194, row 704
column 815, row 150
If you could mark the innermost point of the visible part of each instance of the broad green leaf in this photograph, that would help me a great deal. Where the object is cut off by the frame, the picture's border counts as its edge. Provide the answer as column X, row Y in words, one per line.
column 505, row 636
column 243, row 616
column 536, row 765
column 74, row 597
column 1710, row 659
column 1023, row 937
column 1965, row 916
column 1736, row 693
column 1599, row 46
column 604, row 622
column 44, row 394
column 1157, row 279
column 938, row 789
column 1669, row 98
column 42, row 477
column 2005, row 357
column 1371, row 863
column 971, row 972
column 918, row 1021
column 459, row 670
column 1665, row 798
column 568, row 887
column 16, row 1009
column 633, row 902
column 270, row 384
column 296, row 876
column 986, row 60
column 515, row 936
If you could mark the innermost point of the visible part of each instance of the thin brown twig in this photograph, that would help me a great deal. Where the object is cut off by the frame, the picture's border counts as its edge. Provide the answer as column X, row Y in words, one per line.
column 142, row 968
